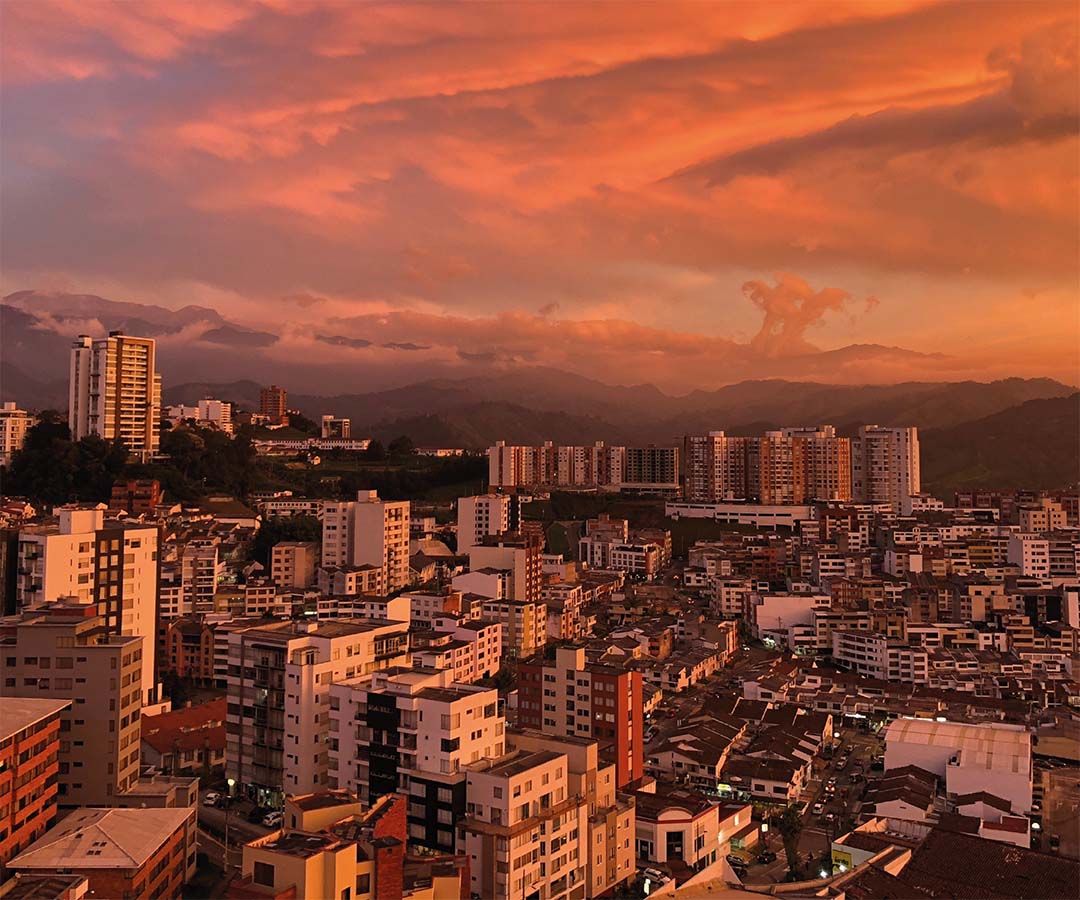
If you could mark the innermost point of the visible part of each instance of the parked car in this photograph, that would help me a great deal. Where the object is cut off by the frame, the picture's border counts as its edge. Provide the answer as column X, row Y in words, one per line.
column 653, row 874
column 274, row 819
column 258, row 813
column 736, row 860
column 211, row 799
column 818, row 808
column 766, row 857
column 830, row 817
column 841, row 764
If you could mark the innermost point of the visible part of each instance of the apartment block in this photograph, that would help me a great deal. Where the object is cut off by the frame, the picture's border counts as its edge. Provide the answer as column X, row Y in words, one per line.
column 279, row 681
column 115, row 392
column 369, row 531
column 66, row 652
column 139, row 854
column 14, row 423
column 29, row 752
column 207, row 413
column 520, row 555
column 135, row 496
column 873, row 655
column 885, row 465
column 273, row 404
column 482, row 516
column 413, row 731
column 526, row 830
column 1031, row 554
column 471, row 650
column 108, row 565
column 651, row 470
column 524, row 625
column 567, row 696
column 293, row 563
column 335, row 428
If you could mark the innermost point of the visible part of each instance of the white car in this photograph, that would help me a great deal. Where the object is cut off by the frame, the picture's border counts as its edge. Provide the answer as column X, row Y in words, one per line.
column 653, row 874
column 818, row 809
column 211, row 799
column 274, row 819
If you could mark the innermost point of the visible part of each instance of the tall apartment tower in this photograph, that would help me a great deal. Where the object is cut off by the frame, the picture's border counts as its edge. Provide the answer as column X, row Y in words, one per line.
column 826, row 462
column 369, row 531
column 715, row 467
column 273, row 402
column 885, row 465
column 569, row 697
column 115, row 392
column 109, row 566
column 14, row 423
column 482, row 516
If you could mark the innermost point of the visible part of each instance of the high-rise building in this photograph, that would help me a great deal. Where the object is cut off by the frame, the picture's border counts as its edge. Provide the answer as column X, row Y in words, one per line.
column 14, row 423
column 111, row 566
column 293, row 563
column 115, row 392
column 568, row 696
column 413, row 731
column 273, row 404
column 651, row 470
column 65, row 652
column 715, row 468
column 885, row 465
column 335, row 428
column 277, row 719
column 369, row 531
column 482, row 516
column 29, row 750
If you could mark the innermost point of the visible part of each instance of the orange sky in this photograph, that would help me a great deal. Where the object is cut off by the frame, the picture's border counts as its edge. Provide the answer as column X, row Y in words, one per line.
column 682, row 193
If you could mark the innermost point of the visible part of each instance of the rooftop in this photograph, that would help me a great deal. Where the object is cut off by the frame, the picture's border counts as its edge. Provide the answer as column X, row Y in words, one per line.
column 993, row 746
column 301, row 844
column 40, row 887
column 18, row 713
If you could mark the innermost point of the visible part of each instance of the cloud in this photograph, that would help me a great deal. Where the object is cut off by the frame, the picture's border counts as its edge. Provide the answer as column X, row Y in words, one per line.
column 791, row 306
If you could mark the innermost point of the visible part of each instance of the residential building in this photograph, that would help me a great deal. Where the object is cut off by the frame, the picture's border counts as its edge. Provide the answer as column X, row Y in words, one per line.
column 66, row 652
column 482, row 516
column 140, row 854
column 135, row 496
column 273, row 405
column 651, row 470
column 569, row 696
column 115, row 391
column 14, row 423
column 334, row 428
column 369, row 531
column 413, row 731
column 874, row 655
column 1031, row 553
column 29, row 751
column 885, row 465
column 110, row 566
column 524, row 625
column 293, row 564
column 471, row 650
column 207, row 413
column 676, row 825
column 520, row 555
column 279, row 681
column 188, row 740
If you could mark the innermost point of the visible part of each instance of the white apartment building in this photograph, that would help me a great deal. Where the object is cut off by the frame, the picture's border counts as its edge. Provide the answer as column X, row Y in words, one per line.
column 525, row 831
column 293, row 563
column 201, row 570
column 413, row 731
column 87, row 560
column 279, row 677
column 349, row 581
column 875, row 655
column 207, row 412
column 369, row 531
column 481, row 516
column 471, row 650
column 115, row 392
column 14, row 423
column 1031, row 553
column 885, row 465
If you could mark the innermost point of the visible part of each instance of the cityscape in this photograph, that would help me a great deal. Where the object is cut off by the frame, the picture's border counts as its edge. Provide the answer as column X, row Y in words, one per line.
column 463, row 499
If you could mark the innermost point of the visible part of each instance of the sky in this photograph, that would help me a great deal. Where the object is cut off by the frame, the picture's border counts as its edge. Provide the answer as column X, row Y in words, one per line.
column 688, row 194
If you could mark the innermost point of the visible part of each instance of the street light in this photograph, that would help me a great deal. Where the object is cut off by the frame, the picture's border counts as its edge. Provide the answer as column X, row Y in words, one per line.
column 231, row 782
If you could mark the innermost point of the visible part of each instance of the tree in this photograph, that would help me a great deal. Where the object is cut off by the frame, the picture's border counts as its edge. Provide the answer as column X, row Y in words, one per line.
column 98, row 463
column 44, row 469
column 790, row 826
column 276, row 529
column 375, row 452
column 401, row 448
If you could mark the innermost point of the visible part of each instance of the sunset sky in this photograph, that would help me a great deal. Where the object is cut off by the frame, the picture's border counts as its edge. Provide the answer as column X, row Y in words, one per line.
column 684, row 194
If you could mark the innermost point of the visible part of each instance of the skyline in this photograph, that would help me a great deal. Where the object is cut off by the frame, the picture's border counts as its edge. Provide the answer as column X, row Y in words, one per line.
column 684, row 195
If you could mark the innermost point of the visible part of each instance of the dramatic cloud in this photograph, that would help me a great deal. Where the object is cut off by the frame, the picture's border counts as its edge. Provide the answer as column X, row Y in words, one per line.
column 579, row 179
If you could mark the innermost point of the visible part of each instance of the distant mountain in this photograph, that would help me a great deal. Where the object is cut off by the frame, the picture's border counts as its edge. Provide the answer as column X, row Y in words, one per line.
column 1033, row 445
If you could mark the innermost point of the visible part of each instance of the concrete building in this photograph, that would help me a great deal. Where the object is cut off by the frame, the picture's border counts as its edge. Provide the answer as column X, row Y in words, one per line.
column 110, row 566
column 1031, row 553
column 14, row 423
column 471, row 650
column 885, row 465
column 274, row 405
column 525, row 831
column 413, row 731
column 335, row 428
column 874, row 655
column 68, row 653
column 651, row 470
column 29, row 750
column 482, row 516
column 970, row 758
column 676, row 825
column 277, row 719
column 524, row 625
column 569, row 696
column 369, row 531
column 293, row 563
column 518, row 554
column 207, row 413
column 114, row 391
column 135, row 496
column 1046, row 515
column 140, row 854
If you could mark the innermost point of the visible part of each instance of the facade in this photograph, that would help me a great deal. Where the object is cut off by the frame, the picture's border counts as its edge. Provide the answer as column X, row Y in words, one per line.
column 518, row 554
column 68, row 653
column 115, row 391
column 471, row 650
column 874, row 655
column 206, row 413
column 369, row 531
column 676, row 825
column 279, row 682
column 273, row 404
column 485, row 515
column 413, row 731
column 651, row 470
column 334, row 428
column 135, row 496
column 524, row 625
column 569, row 697
column 14, row 423
column 293, row 563
column 885, row 465
column 139, row 854
column 110, row 566
column 29, row 751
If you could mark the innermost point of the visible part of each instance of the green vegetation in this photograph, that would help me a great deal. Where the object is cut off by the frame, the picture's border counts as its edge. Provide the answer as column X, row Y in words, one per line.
column 790, row 824
column 276, row 529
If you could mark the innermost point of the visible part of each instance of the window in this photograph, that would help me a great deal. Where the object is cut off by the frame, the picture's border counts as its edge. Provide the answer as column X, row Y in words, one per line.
column 363, row 884
column 263, row 874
